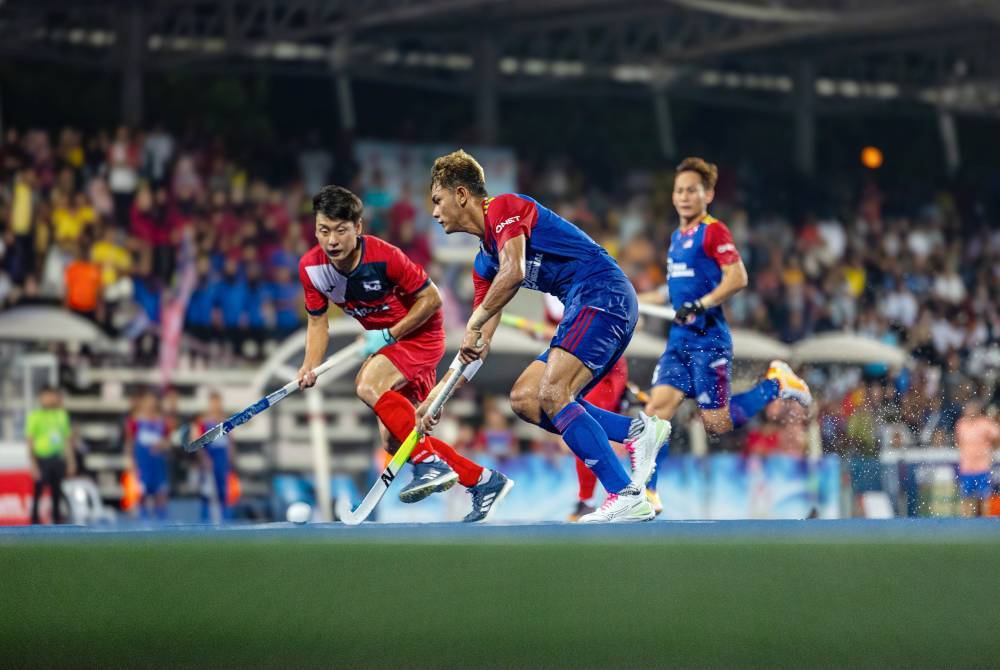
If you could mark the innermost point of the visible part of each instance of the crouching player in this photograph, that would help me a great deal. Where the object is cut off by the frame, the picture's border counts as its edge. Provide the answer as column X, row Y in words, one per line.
column 525, row 244
column 400, row 308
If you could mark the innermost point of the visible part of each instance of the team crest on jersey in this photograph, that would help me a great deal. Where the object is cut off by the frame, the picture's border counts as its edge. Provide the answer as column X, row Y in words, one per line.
column 688, row 244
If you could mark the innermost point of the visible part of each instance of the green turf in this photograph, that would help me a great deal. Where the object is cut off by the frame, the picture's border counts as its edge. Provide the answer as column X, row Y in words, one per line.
column 319, row 603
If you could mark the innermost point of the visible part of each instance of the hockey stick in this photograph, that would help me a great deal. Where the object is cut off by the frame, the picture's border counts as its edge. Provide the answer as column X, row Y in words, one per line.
column 349, row 352
column 382, row 484
column 657, row 311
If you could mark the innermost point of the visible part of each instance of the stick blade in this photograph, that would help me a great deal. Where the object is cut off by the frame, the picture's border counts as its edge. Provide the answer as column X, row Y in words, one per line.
column 209, row 437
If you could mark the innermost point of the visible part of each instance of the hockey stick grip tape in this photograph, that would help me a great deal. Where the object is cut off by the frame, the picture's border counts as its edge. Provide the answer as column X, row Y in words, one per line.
column 469, row 370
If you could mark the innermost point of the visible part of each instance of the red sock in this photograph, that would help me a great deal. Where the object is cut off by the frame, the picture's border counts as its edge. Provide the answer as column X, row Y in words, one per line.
column 398, row 415
column 468, row 471
column 588, row 480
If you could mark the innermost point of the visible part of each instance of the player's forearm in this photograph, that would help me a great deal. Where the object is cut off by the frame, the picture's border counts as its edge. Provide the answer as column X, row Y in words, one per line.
column 427, row 302
column 317, row 339
column 734, row 280
column 501, row 292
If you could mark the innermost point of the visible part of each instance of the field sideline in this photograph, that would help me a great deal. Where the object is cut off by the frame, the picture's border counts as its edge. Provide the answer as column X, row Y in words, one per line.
column 915, row 593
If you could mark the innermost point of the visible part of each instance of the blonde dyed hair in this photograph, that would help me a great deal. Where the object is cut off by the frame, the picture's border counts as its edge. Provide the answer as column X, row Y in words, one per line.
column 459, row 169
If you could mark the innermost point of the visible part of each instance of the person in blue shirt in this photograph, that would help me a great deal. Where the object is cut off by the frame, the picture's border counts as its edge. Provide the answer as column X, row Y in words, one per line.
column 526, row 244
column 285, row 293
column 704, row 269
column 231, row 301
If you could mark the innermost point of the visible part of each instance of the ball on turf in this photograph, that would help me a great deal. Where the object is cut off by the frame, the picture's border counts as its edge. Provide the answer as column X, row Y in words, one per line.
column 298, row 512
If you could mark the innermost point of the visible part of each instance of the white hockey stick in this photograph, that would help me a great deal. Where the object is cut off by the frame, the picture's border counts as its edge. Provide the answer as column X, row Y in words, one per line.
column 382, row 484
column 657, row 311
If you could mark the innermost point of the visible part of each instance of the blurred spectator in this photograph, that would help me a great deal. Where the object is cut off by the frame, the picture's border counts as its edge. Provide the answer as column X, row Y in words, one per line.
column 50, row 448
column 83, row 287
column 976, row 435
column 123, row 173
column 496, row 437
column 146, row 447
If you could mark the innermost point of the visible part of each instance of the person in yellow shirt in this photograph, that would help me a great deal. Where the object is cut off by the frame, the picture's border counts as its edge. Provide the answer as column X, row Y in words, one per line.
column 111, row 255
column 70, row 219
column 50, row 449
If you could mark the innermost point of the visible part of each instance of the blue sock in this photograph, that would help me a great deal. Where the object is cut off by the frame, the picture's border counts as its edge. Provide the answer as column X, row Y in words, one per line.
column 743, row 406
column 584, row 435
column 615, row 425
column 660, row 460
column 545, row 424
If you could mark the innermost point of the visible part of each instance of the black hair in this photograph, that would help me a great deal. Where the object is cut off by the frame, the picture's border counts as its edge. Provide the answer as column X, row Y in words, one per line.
column 337, row 204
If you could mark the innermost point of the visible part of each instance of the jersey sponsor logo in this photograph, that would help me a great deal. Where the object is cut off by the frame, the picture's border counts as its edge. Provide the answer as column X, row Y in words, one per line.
column 506, row 222
column 679, row 269
column 374, row 285
column 533, row 267
column 361, row 312
column 723, row 248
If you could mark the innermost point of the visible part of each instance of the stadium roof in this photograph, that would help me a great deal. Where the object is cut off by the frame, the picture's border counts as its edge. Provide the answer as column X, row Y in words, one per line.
column 732, row 51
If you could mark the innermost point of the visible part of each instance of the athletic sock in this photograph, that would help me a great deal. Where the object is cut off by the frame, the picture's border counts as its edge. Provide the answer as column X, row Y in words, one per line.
column 615, row 426
column 588, row 480
column 468, row 471
column 400, row 417
column 743, row 406
column 584, row 435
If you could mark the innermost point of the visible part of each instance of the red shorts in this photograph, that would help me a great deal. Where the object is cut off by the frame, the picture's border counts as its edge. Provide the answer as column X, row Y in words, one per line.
column 608, row 392
column 417, row 357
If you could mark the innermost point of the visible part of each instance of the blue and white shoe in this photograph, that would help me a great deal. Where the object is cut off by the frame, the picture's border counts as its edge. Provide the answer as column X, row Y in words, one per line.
column 428, row 477
column 486, row 497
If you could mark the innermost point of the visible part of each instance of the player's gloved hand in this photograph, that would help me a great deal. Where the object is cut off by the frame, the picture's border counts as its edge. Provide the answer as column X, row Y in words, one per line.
column 688, row 312
column 375, row 340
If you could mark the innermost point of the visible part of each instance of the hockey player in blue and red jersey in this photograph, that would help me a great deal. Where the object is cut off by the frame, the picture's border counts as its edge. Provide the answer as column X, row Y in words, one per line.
column 704, row 269
column 525, row 244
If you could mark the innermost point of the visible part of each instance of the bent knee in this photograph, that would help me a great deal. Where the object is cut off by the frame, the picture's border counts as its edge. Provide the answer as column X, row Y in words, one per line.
column 524, row 402
column 717, row 422
column 660, row 410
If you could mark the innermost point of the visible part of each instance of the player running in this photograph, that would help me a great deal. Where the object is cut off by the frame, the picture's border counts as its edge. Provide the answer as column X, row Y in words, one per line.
column 704, row 269
column 525, row 244
column 400, row 308
column 607, row 394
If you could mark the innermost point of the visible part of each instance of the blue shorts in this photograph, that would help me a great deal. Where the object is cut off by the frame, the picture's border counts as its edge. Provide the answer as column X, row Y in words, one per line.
column 975, row 486
column 597, row 325
column 700, row 374
column 152, row 470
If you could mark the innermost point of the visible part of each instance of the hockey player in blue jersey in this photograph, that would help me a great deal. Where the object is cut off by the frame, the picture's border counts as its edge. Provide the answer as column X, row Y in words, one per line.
column 525, row 244
column 704, row 269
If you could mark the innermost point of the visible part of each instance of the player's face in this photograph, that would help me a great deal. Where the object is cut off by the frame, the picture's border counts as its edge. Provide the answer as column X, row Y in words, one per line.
column 690, row 197
column 446, row 210
column 215, row 405
column 338, row 238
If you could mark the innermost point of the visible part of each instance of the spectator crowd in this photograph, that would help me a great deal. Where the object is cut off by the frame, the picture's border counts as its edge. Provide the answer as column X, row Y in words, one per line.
column 102, row 222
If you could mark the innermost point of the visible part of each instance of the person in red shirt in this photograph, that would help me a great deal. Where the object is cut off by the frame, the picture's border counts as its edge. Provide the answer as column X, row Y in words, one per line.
column 400, row 309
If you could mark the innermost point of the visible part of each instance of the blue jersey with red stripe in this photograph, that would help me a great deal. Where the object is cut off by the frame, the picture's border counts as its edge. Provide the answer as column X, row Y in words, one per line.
column 694, row 268
column 558, row 255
